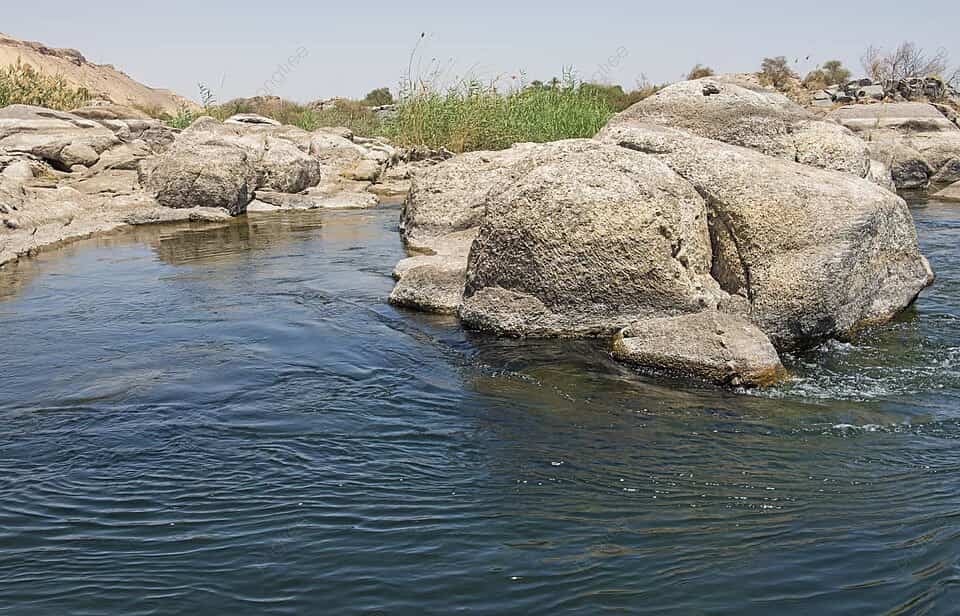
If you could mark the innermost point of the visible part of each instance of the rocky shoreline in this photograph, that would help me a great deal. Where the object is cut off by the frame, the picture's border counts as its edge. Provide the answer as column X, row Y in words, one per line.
column 66, row 176
column 703, row 231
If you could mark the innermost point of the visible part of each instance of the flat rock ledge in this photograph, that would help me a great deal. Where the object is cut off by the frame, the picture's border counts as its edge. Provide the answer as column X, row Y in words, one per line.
column 721, row 348
column 950, row 193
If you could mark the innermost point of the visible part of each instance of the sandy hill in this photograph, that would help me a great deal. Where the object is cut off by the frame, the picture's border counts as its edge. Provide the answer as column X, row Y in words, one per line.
column 102, row 80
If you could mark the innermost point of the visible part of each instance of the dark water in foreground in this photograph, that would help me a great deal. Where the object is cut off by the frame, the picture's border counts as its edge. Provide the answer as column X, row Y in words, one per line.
column 233, row 421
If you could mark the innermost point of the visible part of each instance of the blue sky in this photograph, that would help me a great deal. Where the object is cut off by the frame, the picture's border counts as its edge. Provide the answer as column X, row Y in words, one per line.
column 344, row 48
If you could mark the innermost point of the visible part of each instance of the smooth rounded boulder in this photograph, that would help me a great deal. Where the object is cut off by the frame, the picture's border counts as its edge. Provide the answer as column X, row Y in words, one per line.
column 584, row 239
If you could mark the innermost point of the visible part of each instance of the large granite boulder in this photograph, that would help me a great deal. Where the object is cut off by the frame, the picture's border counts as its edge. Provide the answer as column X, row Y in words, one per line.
column 584, row 239
column 915, row 140
column 814, row 253
column 202, row 175
column 449, row 197
column 765, row 121
column 62, row 139
column 721, row 348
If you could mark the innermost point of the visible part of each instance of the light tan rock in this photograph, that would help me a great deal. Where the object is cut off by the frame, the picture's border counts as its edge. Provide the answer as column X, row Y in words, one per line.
column 61, row 138
column 768, row 122
column 713, row 346
column 816, row 253
column 950, row 193
column 585, row 239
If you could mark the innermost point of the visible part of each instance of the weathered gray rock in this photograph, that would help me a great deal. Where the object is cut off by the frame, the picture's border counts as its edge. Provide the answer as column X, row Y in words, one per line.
column 915, row 139
column 244, row 119
column 130, row 125
column 816, row 253
column 584, row 239
column 125, row 157
column 449, row 197
column 764, row 121
column 202, row 175
column 61, row 138
column 364, row 170
column 712, row 346
column 216, row 165
column 950, row 193
column 949, row 173
column 434, row 282
column 285, row 168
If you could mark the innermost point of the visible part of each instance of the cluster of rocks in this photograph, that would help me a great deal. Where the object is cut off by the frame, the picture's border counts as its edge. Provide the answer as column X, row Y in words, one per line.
column 701, row 232
column 868, row 90
column 917, row 142
column 68, row 175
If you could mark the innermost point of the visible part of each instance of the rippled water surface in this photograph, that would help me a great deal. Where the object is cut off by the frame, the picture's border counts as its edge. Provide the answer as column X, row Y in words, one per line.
column 234, row 421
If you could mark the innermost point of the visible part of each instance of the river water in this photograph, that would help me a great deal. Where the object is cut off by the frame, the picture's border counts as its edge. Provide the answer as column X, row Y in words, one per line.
column 234, row 421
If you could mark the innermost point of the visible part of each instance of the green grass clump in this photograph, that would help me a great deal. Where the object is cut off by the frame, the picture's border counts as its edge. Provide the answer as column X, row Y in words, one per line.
column 21, row 84
column 476, row 116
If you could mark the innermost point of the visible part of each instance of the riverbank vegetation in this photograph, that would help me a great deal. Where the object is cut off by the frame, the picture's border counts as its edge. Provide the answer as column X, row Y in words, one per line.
column 24, row 85
column 469, row 116
column 476, row 116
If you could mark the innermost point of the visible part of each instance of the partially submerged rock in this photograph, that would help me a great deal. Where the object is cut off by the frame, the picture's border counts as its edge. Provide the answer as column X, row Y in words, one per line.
column 60, row 138
column 434, row 282
column 216, row 165
column 210, row 175
column 720, row 348
column 816, row 253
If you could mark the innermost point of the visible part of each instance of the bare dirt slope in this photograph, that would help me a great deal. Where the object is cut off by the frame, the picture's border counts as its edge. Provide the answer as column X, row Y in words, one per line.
column 102, row 80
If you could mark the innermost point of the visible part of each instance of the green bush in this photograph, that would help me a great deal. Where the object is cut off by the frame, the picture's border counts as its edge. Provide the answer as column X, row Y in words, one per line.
column 475, row 116
column 21, row 84
column 699, row 71
column 379, row 97
column 776, row 72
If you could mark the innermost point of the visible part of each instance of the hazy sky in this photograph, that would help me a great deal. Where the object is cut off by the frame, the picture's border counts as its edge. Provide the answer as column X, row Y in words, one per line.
column 347, row 48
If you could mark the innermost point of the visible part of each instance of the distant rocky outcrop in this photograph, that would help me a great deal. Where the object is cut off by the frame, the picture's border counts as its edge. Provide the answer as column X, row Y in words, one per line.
column 103, row 81
column 916, row 141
